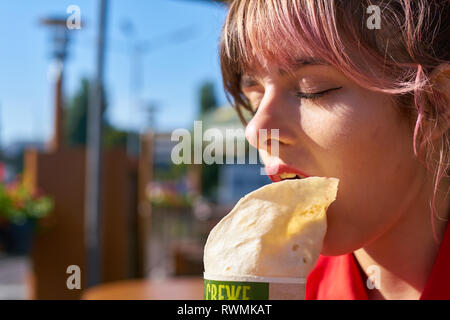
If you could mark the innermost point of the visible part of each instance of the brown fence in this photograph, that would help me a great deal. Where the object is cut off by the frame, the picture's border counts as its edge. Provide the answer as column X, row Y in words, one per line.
column 61, row 174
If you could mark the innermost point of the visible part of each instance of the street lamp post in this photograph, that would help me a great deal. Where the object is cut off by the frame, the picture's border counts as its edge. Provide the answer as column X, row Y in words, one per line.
column 59, row 52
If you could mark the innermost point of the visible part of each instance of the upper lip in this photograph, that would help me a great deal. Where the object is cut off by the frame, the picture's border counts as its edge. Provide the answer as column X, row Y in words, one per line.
column 274, row 171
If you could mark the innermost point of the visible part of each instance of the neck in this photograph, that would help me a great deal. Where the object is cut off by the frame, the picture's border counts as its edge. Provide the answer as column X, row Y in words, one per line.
column 405, row 254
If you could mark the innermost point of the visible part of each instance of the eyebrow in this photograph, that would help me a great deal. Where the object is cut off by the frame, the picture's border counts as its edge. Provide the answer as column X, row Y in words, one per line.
column 248, row 80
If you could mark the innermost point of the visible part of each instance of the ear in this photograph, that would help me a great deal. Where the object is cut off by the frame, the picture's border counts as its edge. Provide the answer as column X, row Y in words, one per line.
column 440, row 79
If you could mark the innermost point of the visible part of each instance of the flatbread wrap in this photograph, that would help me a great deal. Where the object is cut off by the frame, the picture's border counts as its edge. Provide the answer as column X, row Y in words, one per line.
column 274, row 232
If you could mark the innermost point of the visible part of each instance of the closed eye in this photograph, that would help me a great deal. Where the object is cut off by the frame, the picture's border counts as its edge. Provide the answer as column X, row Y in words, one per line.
column 315, row 95
column 298, row 94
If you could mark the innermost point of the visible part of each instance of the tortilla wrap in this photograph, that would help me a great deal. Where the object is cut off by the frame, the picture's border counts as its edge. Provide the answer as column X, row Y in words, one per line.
column 274, row 231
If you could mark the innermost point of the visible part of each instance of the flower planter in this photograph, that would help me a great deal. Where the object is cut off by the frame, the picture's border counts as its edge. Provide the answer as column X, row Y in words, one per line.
column 20, row 208
column 3, row 222
column 17, row 239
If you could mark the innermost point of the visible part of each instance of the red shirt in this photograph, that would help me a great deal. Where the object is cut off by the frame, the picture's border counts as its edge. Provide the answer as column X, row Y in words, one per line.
column 340, row 277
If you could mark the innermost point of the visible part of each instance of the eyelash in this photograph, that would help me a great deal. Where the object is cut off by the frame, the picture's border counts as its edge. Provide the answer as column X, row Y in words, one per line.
column 309, row 96
column 316, row 95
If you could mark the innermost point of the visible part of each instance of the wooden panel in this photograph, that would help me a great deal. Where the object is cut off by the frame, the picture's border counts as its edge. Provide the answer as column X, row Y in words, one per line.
column 116, row 227
column 144, row 217
column 61, row 174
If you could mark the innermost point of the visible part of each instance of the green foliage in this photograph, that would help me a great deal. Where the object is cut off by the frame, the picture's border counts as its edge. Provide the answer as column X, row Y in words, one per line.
column 113, row 137
column 174, row 172
column 18, row 203
column 76, row 116
column 210, row 173
column 210, row 179
column 170, row 200
column 76, row 121
column 208, row 99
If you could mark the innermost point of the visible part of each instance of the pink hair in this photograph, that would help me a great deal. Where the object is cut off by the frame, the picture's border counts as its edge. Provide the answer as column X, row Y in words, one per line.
column 396, row 59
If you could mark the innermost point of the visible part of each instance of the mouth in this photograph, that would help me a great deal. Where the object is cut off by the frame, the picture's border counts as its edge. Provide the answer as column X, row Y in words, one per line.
column 283, row 172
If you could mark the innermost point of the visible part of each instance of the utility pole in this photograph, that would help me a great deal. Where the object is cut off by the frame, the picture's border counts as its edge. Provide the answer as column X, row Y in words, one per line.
column 59, row 53
column 93, row 218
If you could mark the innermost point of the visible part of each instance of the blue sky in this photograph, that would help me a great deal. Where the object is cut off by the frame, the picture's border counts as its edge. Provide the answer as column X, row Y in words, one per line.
column 171, row 73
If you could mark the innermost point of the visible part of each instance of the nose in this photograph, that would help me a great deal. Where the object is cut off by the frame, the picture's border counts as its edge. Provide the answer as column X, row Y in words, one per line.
column 274, row 122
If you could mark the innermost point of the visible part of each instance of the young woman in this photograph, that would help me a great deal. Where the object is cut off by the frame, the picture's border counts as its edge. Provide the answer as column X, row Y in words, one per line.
column 360, row 91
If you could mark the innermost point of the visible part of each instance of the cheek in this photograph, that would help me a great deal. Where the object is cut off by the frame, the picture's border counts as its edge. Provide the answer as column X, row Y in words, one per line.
column 333, row 126
column 355, row 116
column 364, row 146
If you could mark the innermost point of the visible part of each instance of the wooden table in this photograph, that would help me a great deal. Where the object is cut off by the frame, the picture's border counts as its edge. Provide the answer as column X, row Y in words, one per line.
column 190, row 288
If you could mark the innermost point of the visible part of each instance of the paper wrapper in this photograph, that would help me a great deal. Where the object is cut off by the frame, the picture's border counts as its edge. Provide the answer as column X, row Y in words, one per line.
column 253, row 288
